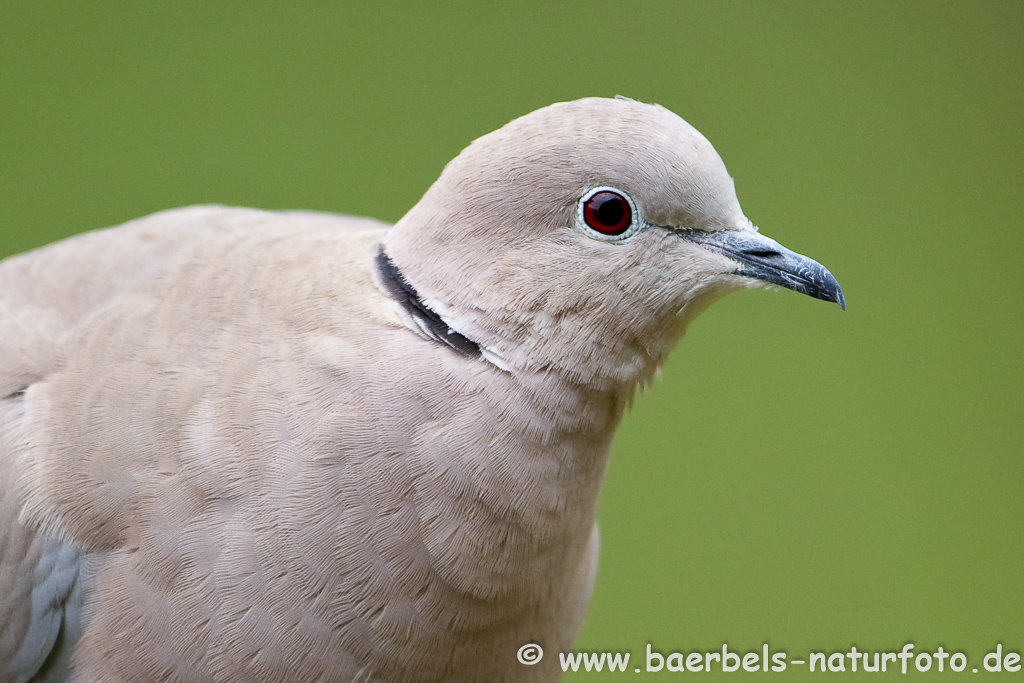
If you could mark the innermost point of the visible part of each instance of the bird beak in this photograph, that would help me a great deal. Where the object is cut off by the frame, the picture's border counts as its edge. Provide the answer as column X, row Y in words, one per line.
column 762, row 258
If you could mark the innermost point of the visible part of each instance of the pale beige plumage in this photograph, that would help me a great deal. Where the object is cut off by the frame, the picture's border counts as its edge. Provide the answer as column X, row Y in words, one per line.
column 223, row 432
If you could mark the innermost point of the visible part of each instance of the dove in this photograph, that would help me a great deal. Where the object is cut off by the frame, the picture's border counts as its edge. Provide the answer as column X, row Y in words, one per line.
column 239, row 445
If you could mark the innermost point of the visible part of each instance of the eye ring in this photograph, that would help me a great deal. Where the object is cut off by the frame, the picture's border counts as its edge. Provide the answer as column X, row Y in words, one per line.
column 609, row 214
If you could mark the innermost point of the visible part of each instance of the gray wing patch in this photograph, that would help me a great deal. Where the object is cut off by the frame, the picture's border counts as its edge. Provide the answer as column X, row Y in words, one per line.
column 56, row 615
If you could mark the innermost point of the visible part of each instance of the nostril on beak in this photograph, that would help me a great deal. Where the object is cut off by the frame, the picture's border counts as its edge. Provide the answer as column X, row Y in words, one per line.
column 763, row 254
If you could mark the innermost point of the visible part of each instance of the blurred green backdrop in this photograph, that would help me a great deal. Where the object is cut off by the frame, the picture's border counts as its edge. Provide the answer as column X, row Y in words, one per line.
column 801, row 476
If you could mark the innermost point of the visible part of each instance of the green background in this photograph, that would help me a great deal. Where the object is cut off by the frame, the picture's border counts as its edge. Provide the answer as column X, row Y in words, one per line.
column 802, row 476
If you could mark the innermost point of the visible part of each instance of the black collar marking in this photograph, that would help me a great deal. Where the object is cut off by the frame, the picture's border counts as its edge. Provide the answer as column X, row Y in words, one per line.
column 404, row 293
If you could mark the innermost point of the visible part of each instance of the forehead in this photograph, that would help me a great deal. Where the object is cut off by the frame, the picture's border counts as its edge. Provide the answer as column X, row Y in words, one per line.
column 672, row 172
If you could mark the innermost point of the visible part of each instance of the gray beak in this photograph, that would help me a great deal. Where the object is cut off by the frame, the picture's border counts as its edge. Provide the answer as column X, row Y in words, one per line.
column 762, row 258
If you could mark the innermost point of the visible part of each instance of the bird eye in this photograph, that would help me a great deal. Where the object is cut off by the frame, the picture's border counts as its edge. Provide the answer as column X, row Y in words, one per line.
column 607, row 212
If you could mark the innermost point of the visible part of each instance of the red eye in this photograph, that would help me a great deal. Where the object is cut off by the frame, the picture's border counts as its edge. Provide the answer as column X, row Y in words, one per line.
column 608, row 212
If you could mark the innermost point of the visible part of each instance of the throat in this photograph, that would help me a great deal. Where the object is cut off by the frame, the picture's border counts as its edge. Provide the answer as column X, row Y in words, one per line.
column 426, row 318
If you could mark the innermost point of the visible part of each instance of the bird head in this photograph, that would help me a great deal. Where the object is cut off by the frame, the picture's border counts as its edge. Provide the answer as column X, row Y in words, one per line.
column 584, row 237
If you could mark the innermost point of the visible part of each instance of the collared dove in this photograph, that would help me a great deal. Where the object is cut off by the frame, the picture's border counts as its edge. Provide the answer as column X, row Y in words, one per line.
column 249, row 446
